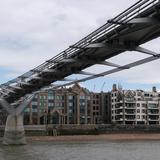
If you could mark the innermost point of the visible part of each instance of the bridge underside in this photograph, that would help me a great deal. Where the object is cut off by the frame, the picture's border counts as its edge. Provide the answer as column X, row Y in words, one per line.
column 126, row 32
column 125, row 35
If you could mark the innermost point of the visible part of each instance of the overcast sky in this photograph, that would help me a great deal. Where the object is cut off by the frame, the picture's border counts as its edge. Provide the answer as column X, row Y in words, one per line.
column 34, row 31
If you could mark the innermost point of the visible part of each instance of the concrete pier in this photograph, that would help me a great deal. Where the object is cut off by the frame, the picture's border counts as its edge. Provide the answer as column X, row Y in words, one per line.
column 14, row 131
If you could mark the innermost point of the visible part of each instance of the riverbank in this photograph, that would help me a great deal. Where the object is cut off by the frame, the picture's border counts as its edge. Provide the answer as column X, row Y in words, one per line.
column 103, row 137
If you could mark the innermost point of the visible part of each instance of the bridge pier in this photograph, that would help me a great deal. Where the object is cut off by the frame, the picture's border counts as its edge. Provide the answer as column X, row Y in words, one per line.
column 14, row 130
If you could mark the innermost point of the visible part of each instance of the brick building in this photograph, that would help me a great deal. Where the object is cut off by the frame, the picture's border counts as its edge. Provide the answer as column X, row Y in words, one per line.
column 61, row 106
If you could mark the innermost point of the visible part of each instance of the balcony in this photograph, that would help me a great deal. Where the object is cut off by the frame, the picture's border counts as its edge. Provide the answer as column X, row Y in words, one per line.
column 130, row 119
column 130, row 113
column 150, row 108
column 119, row 107
column 130, row 108
column 153, row 119
column 153, row 113
column 121, row 119
column 119, row 113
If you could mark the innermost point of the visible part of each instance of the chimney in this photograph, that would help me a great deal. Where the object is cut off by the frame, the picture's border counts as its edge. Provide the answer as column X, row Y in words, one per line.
column 114, row 87
column 154, row 89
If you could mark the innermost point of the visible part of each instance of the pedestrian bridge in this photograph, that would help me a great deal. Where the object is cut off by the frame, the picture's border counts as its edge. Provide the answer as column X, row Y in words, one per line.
column 137, row 25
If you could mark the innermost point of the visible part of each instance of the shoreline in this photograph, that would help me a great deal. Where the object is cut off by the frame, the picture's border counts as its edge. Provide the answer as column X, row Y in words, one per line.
column 102, row 137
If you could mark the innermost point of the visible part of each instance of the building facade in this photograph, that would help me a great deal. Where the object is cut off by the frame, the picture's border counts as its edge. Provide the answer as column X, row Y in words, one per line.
column 76, row 105
column 61, row 106
column 135, row 107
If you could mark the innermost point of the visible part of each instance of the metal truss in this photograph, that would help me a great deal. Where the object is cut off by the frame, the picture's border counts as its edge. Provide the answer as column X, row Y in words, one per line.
column 131, row 16
column 127, row 66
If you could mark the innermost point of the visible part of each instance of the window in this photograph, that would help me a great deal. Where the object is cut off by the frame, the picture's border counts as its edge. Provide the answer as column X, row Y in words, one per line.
column 82, row 103
column 138, row 110
column 143, row 105
column 34, row 110
column 144, row 117
column 82, row 97
column 146, row 95
column 59, row 97
column 44, row 97
column 143, row 111
column 50, row 97
column 26, row 110
column 138, row 117
column 88, row 98
column 138, row 104
column 50, row 104
column 152, row 105
column 34, row 103
column 70, row 104
column 70, row 97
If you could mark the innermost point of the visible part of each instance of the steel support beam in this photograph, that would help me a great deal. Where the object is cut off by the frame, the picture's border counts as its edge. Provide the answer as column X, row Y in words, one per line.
column 130, row 65
column 150, row 20
column 146, row 51
column 24, row 83
column 36, row 78
column 86, row 73
column 3, row 93
column 67, row 79
column 9, row 90
column 49, row 71
column 110, row 64
column 15, row 87
column 141, row 20
column 108, row 46
column 68, row 60
column 65, row 60
column 123, row 47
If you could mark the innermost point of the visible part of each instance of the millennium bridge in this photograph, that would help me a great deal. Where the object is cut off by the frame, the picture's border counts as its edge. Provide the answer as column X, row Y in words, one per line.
column 137, row 25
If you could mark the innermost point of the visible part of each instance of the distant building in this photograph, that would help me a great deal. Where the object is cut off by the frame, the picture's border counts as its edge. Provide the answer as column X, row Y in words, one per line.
column 135, row 107
column 100, row 108
column 77, row 105
column 74, row 105
column 61, row 106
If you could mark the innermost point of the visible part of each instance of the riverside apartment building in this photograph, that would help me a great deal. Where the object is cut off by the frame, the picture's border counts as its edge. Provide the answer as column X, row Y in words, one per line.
column 135, row 106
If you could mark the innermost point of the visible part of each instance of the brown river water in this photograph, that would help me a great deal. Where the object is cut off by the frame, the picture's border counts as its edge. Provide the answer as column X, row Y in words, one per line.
column 78, row 150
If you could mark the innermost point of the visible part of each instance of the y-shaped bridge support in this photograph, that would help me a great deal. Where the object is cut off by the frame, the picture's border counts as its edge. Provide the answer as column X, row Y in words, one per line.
column 14, row 130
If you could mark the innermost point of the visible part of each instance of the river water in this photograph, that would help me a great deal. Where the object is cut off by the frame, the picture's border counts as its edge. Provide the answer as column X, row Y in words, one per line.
column 93, row 150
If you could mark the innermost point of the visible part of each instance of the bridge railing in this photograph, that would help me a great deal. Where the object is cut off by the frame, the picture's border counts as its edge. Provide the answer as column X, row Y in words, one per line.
column 135, row 10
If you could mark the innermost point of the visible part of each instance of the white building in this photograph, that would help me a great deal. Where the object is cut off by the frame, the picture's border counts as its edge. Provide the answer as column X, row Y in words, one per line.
column 135, row 106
